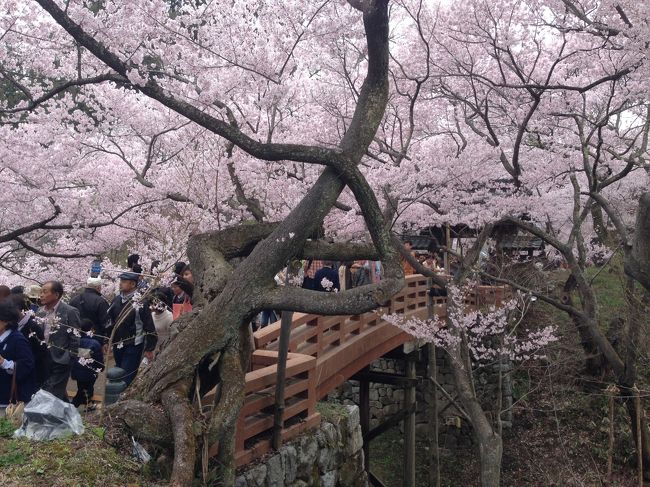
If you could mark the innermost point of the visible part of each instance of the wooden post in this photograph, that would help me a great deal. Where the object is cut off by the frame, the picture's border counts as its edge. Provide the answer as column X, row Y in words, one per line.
column 364, row 415
column 448, row 245
column 434, row 468
column 283, row 350
column 639, row 437
column 409, row 425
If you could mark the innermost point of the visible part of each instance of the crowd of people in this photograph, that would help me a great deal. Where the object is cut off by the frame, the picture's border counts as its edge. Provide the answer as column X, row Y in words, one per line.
column 335, row 276
column 46, row 341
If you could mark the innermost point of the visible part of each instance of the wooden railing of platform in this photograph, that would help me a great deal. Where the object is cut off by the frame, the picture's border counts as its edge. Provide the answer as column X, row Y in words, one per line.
column 324, row 352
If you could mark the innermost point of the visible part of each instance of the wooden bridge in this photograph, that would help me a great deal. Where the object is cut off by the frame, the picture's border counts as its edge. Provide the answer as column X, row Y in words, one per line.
column 324, row 352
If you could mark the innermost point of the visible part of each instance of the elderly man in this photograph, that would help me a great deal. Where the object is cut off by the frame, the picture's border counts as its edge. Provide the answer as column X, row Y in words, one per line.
column 61, row 330
column 92, row 306
column 135, row 333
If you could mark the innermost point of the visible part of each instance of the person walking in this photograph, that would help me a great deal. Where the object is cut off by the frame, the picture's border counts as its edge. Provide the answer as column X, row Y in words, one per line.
column 361, row 273
column 87, row 366
column 33, row 332
column 406, row 265
column 311, row 267
column 327, row 278
column 33, row 293
column 17, row 377
column 92, row 306
column 131, row 323
column 62, row 332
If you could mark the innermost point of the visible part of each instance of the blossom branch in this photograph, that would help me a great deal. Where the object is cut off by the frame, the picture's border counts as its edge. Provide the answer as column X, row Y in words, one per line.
column 260, row 150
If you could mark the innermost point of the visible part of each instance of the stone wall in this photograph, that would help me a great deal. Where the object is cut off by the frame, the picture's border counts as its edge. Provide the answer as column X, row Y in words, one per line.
column 330, row 456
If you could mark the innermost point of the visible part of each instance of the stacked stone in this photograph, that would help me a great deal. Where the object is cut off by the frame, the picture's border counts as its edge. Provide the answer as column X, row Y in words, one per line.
column 331, row 456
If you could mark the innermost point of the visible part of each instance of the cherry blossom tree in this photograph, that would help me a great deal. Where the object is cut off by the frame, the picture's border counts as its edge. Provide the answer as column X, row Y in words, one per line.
column 176, row 60
column 247, row 129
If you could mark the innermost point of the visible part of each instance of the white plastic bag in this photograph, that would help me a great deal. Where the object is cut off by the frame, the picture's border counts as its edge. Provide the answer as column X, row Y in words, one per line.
column 47, row 417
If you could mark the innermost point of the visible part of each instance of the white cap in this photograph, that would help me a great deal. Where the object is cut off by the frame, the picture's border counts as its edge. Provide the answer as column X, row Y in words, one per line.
column 94, row 282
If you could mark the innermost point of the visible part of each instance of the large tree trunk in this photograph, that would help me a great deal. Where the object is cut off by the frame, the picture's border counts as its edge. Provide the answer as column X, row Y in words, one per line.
column 490, row 443
column 226, row 300
column 488, row 438
column 594, row 360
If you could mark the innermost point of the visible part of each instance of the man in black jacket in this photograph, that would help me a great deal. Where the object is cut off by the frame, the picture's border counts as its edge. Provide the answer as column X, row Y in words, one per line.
column 92, row 306
column 31, row 330
column 135, row 333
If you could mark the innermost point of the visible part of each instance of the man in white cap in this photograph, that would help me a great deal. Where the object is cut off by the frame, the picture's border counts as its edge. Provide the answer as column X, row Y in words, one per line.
column 92, row 306
column 33, row 292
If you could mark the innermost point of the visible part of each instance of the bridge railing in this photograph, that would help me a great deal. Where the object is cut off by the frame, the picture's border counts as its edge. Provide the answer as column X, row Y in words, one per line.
column 324, row 351
column 315, row 335
column 256, row 417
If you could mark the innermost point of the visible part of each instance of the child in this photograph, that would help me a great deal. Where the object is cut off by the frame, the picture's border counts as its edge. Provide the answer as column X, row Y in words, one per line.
column 87, row 365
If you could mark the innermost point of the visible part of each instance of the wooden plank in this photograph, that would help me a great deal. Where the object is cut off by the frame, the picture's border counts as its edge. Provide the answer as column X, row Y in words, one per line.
column 386, row 378
column 374, row 480
column 364, row 414
column 258, row 400
column 264, row 377
column 356, row 349
column 391, row 422
column 254, row 425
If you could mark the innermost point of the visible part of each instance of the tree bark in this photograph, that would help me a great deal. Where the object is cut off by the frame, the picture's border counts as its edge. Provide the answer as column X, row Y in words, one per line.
column 594, row 361
column 226, row 299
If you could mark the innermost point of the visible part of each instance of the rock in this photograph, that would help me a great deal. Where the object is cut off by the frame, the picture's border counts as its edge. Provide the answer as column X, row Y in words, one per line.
column 330, row 434
column 355, row 442
column 326, row 459
column 274, row 473
column 307, row 451
column 353, row 416
column 329, row 479
column 256, row 476
column 289, row 463
column 351, row 470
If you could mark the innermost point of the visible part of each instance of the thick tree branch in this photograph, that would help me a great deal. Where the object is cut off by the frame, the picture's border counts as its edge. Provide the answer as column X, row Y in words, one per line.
column 43, row 253
column 354, row 301
column 7, row 237
column 638, row 263
column 35, row 102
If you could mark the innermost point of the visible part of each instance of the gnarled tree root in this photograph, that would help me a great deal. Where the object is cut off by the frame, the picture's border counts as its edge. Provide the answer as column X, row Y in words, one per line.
column 179, row 412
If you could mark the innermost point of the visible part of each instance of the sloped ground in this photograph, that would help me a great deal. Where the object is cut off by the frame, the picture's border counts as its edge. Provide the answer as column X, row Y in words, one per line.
column 79, row 461
column 560, row 436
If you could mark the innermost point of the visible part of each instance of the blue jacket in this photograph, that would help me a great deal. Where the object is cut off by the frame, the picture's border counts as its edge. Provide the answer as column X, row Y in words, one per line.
column 87, row 373
column 16, row 347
